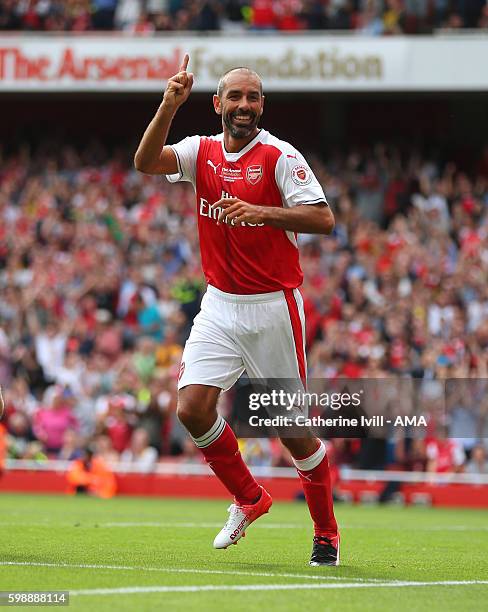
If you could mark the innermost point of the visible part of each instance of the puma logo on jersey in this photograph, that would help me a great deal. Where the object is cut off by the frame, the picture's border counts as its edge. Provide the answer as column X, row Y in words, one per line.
column 306, row 476
column 215, row 167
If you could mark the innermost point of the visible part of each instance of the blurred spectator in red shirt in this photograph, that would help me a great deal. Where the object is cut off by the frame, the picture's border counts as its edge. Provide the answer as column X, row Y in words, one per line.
column 263, row 16
column 288, row 15
column 444, row 454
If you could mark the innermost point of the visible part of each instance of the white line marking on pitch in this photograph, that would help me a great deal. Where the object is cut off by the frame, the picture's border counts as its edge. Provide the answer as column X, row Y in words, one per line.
column 292, row 526
column 271, row 587
column 178, row 570
column 415, row 528
column 202, row 525
column 185, row 525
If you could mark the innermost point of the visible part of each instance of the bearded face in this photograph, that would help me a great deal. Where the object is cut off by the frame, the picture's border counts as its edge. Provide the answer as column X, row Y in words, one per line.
column 241, row 123
column 240, row 102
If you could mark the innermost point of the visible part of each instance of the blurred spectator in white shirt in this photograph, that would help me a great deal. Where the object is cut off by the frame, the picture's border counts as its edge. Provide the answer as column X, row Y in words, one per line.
column 140, row 455
column 478, row 463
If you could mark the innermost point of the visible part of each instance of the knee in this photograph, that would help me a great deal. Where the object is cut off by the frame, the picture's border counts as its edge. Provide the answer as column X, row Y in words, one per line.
column 194, row 412
column 186, row 413
column 196, row 408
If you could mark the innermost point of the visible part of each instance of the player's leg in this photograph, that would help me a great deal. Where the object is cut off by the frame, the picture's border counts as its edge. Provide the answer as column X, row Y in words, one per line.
column 197, row 408
column 310, row 459
column 214, row 437
column 211, row 362
column 278, row 352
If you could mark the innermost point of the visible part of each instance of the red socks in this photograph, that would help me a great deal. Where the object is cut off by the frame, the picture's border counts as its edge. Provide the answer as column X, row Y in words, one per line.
column 315, row 477
column 220, row 449
column 221, row 452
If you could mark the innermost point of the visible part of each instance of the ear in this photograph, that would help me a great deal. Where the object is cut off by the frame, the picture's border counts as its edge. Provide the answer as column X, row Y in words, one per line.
column 262, row 105
column 217, row 105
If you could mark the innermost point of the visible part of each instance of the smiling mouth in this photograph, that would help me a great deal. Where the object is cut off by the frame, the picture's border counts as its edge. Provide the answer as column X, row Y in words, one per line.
column 245, row 119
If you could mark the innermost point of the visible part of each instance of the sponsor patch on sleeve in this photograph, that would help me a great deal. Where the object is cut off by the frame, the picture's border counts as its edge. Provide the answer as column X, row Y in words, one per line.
column 301, row 175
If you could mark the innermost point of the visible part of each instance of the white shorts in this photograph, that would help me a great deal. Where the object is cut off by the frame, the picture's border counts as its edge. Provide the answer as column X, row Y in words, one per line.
column 262, row 334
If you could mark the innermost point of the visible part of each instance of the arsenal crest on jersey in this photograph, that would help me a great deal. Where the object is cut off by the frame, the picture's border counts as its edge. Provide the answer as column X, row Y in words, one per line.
column 254, row 174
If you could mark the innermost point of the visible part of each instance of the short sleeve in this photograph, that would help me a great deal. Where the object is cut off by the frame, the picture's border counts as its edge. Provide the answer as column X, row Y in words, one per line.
column 186, row 152
column 296, row 181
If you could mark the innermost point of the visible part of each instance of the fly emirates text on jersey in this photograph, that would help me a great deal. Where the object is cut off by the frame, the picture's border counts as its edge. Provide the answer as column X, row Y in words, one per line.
column 205, row 210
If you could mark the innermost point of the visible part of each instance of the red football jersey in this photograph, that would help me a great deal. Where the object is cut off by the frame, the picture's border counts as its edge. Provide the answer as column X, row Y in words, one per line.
column 248, row 258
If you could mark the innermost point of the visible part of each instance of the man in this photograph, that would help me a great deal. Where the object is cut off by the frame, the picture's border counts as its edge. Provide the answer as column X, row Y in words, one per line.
column 254, row 193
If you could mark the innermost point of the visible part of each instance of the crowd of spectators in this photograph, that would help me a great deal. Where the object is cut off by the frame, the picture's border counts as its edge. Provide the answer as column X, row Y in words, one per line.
column 100, row 280
column 372, row 17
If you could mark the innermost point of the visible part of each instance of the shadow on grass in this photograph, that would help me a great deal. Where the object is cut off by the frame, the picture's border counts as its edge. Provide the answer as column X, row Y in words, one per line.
column 343, row 571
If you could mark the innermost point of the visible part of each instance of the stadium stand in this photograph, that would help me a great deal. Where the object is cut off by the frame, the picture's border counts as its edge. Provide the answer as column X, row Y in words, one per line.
column 100, row 280
column 143, row 17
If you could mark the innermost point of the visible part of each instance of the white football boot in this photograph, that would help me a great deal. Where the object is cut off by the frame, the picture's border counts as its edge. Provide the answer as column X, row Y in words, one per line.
column 240, row 517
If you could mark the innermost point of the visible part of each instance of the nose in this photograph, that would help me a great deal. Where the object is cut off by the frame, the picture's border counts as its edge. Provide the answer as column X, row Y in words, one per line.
column 244, row 105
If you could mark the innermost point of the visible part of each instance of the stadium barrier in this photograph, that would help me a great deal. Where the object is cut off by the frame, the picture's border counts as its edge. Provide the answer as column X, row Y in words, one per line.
column 196, row 480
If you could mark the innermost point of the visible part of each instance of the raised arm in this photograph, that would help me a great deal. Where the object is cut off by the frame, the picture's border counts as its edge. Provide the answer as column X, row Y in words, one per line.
column 152, row 156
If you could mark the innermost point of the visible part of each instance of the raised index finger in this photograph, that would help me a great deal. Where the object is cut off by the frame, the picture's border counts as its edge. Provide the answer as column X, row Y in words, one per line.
column 184, row 63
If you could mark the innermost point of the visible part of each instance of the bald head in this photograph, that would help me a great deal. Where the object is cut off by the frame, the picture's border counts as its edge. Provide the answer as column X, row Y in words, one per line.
column 237, row 71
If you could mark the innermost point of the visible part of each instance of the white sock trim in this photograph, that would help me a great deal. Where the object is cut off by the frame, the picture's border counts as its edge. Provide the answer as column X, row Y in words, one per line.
column 212, row 434
column 309, row 463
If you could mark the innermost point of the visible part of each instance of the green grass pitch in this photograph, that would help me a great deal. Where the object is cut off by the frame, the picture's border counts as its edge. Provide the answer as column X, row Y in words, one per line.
column 149, row 554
